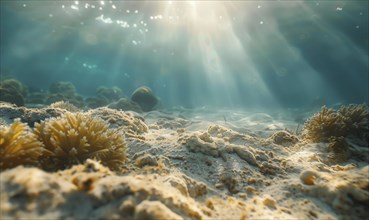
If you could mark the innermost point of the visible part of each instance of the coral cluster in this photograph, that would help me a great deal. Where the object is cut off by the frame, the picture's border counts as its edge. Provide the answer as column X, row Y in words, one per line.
column 352, row 120
column 18, row 146
column 342, row 130
column 75, row 137
column 59, row 142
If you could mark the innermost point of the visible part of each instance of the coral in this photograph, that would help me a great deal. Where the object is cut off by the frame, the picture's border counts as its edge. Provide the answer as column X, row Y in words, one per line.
column 338, row 128
column 11, row 96
column 356, row 117
column 145, row 98
column 15, row 85
column 18, row 146
column 12, row 91
column 75, row 137
column 350, row 121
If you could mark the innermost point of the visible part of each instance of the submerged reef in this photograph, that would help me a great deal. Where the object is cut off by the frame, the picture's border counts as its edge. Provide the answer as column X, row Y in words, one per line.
column 75, row 137
column 18, row 146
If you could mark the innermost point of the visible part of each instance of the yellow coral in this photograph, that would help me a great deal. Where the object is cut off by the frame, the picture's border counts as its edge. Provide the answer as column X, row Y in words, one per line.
column 18, row 146
column 76, row 137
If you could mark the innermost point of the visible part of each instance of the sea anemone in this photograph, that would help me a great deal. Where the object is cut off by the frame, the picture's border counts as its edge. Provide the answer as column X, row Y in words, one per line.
column 18, row 146
column 75, row 137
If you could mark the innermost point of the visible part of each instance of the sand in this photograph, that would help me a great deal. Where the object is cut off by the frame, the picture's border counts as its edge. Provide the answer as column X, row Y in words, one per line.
column 193, row 164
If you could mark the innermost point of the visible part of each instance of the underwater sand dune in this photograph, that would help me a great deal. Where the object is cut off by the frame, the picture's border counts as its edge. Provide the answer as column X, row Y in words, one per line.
column 188, row 164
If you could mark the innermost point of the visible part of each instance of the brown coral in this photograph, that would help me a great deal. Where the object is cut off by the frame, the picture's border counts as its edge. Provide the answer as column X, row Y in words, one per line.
column 18, row 146
column 76, row 137
column 352, row 120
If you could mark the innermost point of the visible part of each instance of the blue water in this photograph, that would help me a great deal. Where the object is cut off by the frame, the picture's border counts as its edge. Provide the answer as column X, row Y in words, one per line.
column 221, row 54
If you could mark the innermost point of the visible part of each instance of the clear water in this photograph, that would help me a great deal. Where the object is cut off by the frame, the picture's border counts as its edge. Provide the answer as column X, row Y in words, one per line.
column 218, row 54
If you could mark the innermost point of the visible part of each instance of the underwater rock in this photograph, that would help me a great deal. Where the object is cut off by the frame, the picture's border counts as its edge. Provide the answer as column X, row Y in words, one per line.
column 284, row 138
column 125, row 105
column 195, row 144
column 228, row 134
column 146, row 160
column 144, row 97
column 131, row 124
column 246, row 155
column 30, row 116
column 111, row 94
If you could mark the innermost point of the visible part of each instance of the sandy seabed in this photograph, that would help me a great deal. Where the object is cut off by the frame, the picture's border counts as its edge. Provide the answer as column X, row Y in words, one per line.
column 193, row 164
